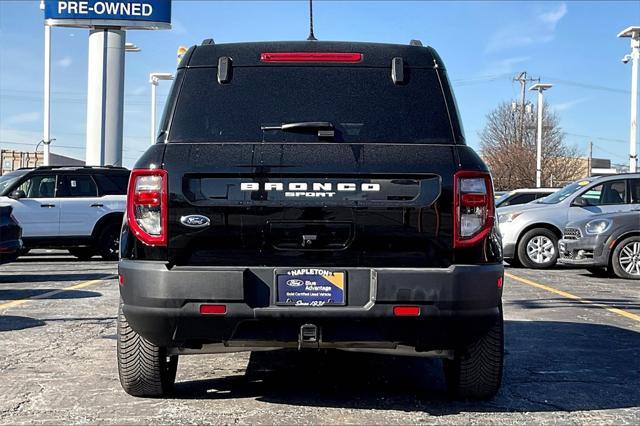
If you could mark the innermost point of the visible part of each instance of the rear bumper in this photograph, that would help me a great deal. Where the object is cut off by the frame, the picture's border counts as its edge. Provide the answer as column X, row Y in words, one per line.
column 456, row 304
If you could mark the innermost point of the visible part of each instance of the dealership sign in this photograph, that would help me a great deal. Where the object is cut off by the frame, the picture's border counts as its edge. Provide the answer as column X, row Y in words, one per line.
column 143, row 14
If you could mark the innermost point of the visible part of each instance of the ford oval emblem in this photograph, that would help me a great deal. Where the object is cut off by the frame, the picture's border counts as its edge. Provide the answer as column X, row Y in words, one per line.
column 195, row 221
column 294, row 283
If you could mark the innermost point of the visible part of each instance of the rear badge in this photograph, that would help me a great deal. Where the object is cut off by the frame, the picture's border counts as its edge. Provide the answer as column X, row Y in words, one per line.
column 195, row 221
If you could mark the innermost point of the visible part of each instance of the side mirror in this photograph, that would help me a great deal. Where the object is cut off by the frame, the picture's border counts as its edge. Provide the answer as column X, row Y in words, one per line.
column 17, row 194
column 581, row 202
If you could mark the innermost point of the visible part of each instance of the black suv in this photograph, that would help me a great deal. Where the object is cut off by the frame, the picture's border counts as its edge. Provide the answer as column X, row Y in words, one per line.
column 311, row 195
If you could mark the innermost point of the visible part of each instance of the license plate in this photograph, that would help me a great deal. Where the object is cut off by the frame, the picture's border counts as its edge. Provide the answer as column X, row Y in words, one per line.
column 311, row 287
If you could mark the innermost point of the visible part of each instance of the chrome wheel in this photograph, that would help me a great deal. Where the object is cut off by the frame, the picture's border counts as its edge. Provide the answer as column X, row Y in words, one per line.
column 540, row 249
column 629, row 258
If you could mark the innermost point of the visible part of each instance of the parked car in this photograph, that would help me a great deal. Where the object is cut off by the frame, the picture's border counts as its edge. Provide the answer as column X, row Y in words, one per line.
column 10, row 235
column 530, row 232
column 312, row 195
column 606, row 241
column 76, row 208
column 523, row 196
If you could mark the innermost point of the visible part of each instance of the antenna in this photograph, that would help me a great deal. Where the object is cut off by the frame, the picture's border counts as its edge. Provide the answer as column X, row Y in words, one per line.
column 311, row 37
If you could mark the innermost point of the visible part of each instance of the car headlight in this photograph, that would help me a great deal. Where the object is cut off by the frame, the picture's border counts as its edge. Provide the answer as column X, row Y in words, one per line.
column 508, row 217
column 597, row 226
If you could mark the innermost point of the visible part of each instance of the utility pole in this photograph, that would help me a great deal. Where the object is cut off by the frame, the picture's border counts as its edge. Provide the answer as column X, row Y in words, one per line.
column 634, row 34
column 590, row 159
column 523, row 78
column 540, row 88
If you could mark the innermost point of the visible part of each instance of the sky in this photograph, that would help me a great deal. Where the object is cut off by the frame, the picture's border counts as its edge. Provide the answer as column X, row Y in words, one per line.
column 571, row 44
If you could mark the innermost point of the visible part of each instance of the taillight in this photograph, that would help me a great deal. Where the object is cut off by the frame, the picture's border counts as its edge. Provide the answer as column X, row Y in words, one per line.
column 311, row 57
column 147, row 205
column 473, row 207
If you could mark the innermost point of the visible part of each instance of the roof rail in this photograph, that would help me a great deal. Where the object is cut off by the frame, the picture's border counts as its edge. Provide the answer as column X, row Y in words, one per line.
column 70, row 166
column 415, row 42
column 207, row 41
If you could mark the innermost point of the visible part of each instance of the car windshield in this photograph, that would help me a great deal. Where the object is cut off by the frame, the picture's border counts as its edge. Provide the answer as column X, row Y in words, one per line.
column 7, row 180
column 501, row 199
column 562, row 194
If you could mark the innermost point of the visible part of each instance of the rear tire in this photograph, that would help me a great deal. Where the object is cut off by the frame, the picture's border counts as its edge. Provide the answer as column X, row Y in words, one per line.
column 109, row 242
column 82, row 253
column 475, row 372
column 626, row 259
column 144, row 368
column 538, row 249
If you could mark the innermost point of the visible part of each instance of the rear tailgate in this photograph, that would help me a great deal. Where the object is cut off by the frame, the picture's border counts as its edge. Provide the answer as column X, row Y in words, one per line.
column 325, row 204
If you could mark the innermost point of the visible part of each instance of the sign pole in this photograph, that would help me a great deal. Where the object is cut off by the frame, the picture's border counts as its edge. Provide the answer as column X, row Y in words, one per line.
column 46, row 133
column 107, row 22
column 105, row 97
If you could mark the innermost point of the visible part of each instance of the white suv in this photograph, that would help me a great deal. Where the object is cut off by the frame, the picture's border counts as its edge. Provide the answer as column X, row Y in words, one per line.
column 77, row 208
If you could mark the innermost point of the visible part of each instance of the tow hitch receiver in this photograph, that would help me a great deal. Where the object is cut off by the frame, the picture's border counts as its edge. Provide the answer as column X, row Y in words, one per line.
column 309, row 337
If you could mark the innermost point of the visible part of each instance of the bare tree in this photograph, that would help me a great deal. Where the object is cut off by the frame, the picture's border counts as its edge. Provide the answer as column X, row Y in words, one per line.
column 509, row 149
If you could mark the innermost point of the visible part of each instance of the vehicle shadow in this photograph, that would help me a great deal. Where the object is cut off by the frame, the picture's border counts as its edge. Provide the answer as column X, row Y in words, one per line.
column 40, row 293
column 58, row 259
column 560, row 302
column 44, row 277
column 12, row 323
column 550, row 366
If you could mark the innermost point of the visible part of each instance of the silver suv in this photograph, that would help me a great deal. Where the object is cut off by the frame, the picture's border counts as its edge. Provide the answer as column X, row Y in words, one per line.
column 530, row 232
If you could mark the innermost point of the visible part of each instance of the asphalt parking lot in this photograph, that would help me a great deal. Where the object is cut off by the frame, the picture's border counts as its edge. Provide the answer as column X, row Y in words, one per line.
column 573, row 356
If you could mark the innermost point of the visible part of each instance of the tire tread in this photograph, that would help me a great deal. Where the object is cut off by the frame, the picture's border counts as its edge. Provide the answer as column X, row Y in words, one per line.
column 143, row 368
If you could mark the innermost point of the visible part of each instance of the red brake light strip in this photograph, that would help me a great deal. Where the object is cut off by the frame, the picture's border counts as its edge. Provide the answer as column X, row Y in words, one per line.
column 311, row 57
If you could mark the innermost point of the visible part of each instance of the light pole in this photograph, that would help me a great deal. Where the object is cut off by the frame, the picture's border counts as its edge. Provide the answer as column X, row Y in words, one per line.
column 634, row 34
column 540, row 87
column 154, row 79
column 46, row 128
column 131, row 48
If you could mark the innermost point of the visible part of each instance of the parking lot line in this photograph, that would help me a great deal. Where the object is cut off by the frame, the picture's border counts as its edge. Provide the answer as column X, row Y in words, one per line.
column 617, row 311
column 19, row 302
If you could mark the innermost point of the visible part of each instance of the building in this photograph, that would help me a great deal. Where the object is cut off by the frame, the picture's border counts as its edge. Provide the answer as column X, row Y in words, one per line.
column 11, row 160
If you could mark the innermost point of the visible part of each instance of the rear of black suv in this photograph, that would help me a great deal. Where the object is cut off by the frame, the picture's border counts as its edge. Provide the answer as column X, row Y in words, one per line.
column 312, row 195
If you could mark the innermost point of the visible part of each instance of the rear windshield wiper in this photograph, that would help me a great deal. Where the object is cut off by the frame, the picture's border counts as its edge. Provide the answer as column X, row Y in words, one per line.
column 325, row 129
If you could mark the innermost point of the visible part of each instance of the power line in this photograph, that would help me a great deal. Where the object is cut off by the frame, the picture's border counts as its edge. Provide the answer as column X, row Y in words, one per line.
column 588, row 86
column 595, row 137
column 58, row 146
column 613, row 154
column 63, row 100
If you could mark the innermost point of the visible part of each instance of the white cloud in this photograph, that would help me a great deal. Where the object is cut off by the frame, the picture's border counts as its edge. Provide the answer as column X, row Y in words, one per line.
column 22, row 118
column 534, row 29
column 564, row 106
column 553, row 16
column 64, row 62
column 504, row 66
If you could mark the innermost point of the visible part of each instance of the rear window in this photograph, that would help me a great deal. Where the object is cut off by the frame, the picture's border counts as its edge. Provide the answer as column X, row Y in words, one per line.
column 363, row 104
column 112, row 184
